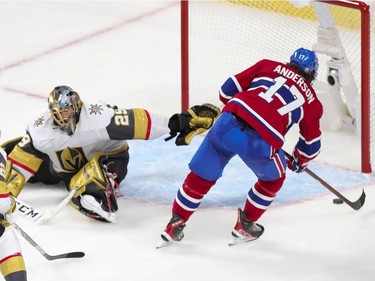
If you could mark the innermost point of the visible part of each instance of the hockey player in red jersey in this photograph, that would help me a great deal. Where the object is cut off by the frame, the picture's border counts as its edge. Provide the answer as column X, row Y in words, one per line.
column 261, row 105
column 12, row 265
column 84, row 144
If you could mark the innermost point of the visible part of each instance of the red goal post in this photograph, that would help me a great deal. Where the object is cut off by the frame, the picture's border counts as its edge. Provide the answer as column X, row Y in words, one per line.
column 221, row 38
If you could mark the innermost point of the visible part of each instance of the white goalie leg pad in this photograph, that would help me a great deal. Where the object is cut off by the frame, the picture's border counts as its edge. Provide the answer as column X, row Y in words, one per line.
column 9, row 243
column 89, row 202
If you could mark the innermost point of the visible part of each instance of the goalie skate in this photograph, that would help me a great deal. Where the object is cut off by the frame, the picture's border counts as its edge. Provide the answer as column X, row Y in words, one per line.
column 89, row 202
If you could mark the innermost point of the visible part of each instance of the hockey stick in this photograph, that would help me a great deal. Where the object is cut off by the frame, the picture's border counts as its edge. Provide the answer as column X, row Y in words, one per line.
column 28, row 211
column 356, row 205
column 52, row 213
column 39, row 217
column 40, row 250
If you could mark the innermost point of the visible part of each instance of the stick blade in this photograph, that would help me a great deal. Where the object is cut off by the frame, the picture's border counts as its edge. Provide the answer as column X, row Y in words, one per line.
column 65, row 256
column 360, row 202
column 75, row 255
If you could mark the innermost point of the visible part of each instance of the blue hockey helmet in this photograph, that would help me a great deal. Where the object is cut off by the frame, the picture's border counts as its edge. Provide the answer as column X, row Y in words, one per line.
column 305, row 61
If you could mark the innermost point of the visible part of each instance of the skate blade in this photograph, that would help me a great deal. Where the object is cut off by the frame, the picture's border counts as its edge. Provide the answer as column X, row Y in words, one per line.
column 236, row 241
column 164, row 244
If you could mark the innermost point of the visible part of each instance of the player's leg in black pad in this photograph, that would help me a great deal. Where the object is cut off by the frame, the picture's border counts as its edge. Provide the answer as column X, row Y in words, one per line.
column 16, row 276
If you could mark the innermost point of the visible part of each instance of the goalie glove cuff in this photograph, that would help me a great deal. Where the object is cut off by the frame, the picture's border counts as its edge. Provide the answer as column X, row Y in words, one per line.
column 195, row 120
column 174, row 123
column 177, row 123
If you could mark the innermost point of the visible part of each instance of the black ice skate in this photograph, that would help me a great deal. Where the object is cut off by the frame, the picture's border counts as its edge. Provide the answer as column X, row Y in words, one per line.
column 244, row 230
column 173, row 231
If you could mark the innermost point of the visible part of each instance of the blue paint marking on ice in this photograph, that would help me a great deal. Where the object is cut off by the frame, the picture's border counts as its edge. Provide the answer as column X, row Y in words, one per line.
column 157, row 170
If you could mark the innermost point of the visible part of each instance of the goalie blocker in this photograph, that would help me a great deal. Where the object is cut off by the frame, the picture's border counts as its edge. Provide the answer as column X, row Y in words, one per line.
column 194, row 121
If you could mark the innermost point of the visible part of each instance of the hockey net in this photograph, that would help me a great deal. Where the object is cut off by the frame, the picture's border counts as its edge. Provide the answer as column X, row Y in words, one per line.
column 222, row 38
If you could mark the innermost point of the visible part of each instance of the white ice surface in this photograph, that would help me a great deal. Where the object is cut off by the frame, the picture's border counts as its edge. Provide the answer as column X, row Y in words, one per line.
column 127, row 53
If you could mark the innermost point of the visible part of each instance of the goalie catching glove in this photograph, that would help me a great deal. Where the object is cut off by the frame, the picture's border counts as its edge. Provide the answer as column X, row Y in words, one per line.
column 194, row 121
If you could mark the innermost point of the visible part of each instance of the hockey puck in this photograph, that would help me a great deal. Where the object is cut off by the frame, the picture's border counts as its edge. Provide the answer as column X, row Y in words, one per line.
column 337, row 201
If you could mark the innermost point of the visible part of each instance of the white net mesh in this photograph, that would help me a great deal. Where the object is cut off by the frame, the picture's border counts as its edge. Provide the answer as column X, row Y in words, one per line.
column 225, row 37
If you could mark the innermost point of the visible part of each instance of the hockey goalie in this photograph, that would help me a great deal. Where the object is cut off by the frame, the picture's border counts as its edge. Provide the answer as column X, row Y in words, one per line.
column 84, row 144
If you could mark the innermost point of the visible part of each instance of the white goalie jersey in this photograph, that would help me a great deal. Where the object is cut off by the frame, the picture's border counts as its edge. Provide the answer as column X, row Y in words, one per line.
column 100, row 128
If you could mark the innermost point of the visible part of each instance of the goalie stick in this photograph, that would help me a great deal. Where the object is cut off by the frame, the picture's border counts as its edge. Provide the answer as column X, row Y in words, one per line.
column 40, row 250
column 39, row 217
column 356, row 205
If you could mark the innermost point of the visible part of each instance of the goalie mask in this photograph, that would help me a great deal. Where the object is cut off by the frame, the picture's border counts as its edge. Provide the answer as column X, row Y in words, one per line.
column 306, row 63
column 65, row 106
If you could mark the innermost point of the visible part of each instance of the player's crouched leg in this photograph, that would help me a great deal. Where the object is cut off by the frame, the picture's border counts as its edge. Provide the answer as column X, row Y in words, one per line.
column 95, row 196
column 12, row 264
column 96, row 203
column 16, row 276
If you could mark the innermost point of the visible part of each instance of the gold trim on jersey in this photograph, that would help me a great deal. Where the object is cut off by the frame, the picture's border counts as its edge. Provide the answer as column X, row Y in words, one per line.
column 28, row 160
column 141, row 123
column 12, row 265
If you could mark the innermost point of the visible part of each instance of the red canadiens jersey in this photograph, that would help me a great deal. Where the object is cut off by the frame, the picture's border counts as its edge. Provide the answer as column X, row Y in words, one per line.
column 271, row 96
